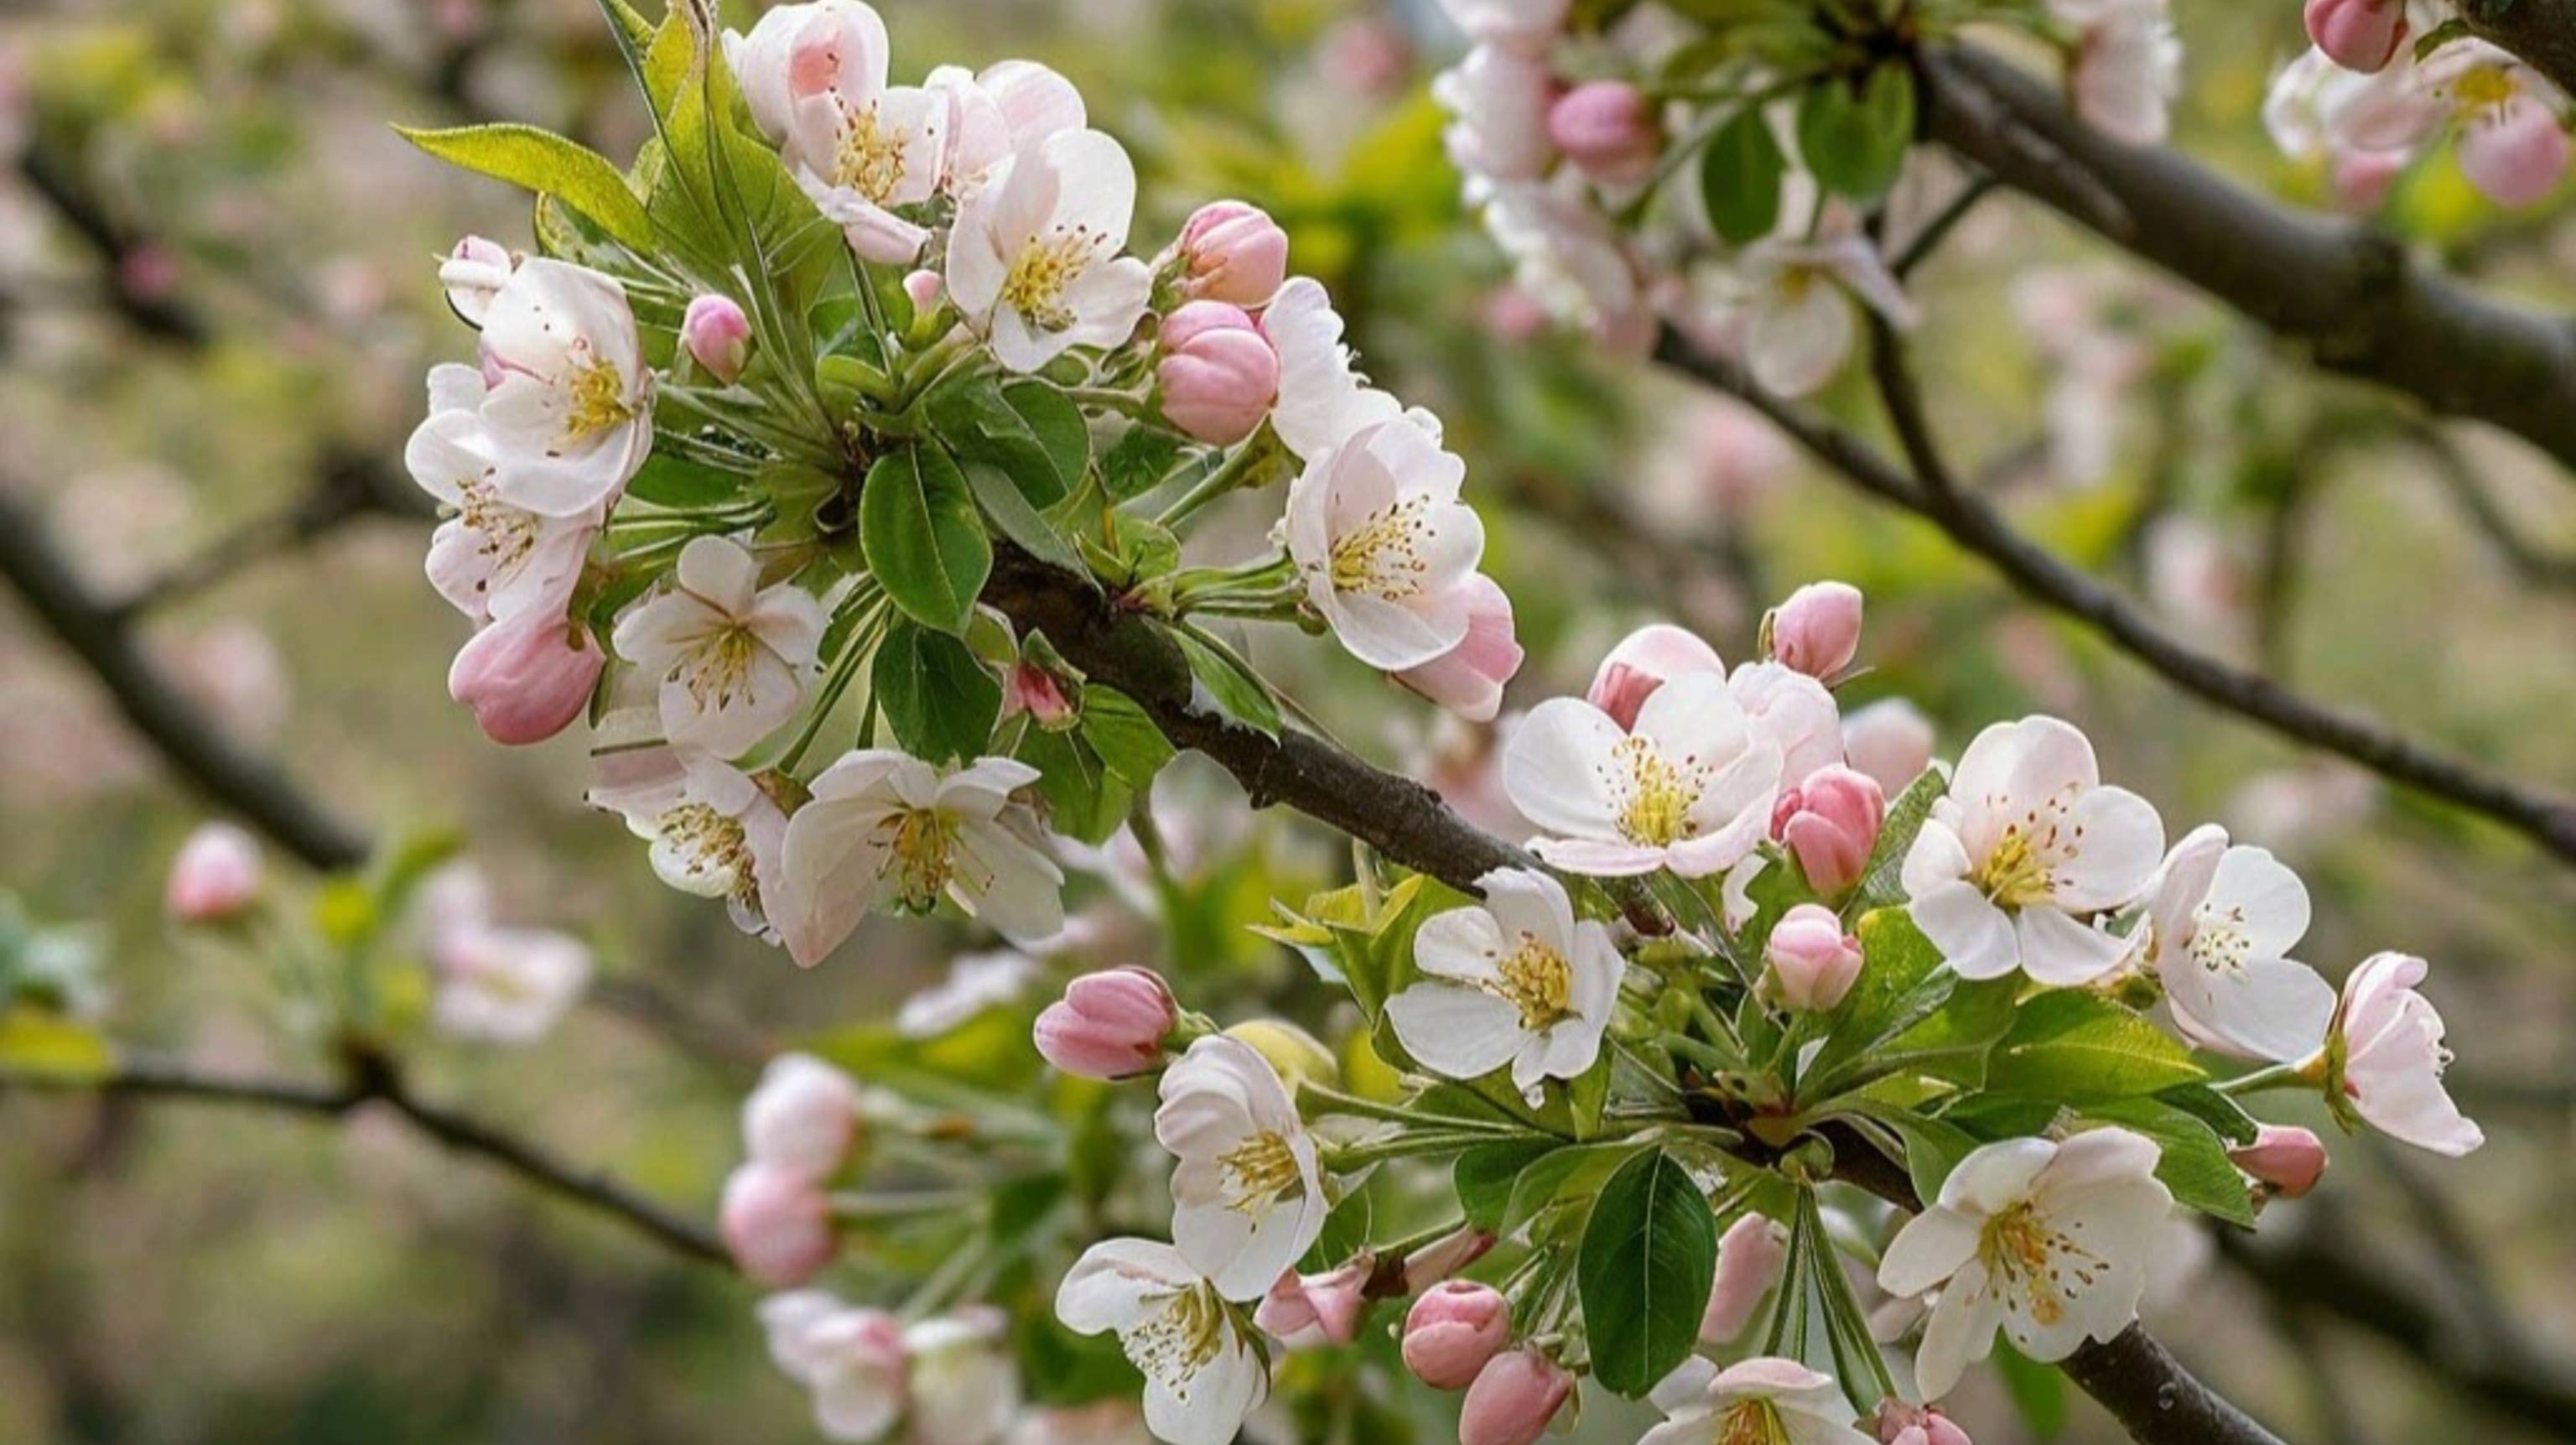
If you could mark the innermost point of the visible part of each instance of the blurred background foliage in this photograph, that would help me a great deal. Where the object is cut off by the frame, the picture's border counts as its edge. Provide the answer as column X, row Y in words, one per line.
column 217, row 299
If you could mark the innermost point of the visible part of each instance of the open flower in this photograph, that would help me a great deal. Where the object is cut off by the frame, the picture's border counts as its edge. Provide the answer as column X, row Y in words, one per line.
column 2048, row 1240
column 1468, row 679
column 799, row 50
column 999, row 111
column 852, row 1358
column 1771, row 1400
column 1388, row 551
column 1497, row 99
column 1248, row 1194
column 862, row 150
column 507, row 985
column 1801, row 308
column 1033, row 257
column 1690, row 788
column 964, row 1387
column 886, row 830
column 714, row 832
column 2384, row 1054
column 2027, row 847
column 1515, row 980
column 1203, row 1370
column 2219, row 927
column 1322, row 398
column 2125, row 67
column 731, row 656
column 570, row 412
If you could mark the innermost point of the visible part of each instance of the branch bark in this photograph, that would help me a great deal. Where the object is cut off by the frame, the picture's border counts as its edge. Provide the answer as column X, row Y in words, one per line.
column 2348, row 294
column 2542, row 32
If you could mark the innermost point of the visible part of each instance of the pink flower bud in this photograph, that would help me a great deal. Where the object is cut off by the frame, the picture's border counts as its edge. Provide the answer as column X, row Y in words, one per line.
column 1813, row 962
column 1750, row 1256
column 473, row 274
column 2284, row 1157
column 1219, row 374
column 215, row 875
column 717, row 335
column 1514, row 1397
column 1891, row 740
column 1233, row 252
column 803, row 1117
column 1307, row 1311
column 1831, row 823
column 1608, row 129
column 1034, row 690
column 2360, row 35
column 1898, row 1423
column 526, row 677
column 777, row 1223
column 924, row 288
column 1468, row 679
column 1453, row 1331
column 1108, row 1025
column 1817, row 630
column 2515, row 153
column 1444, row 1257
column 1650, row 657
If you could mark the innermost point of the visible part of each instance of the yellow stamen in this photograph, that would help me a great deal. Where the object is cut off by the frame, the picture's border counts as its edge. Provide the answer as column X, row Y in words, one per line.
column 923, row 850
column 1537, row 980
column 2022, row 1251
column 1260, row 1172
column 1382, row 556
column 1176, row 1344
column 1751, row 1422
column 871, row 159
column 1043, row 271
column 1659, row 794
column 598, row 398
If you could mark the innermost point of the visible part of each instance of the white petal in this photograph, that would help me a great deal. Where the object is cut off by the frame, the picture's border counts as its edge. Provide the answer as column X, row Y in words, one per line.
column 1929, row 1249
column 2115, row 844
column 1975, row 937
column 2059, row 950
column 1555, row 768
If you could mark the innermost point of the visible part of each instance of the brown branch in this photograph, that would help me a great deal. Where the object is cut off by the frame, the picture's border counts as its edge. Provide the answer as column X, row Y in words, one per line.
column 2347, row 293
column 373, row 1080
column 2047, row 579
column 2542, row 32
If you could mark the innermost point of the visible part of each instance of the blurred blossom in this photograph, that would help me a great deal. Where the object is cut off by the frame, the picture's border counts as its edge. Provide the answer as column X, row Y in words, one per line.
column 2195, row 577
column 1719, row 458
column 124, row 525
column 2301, row 808
column 493, row 983
column 1891, row 741
column 1102, row 1422
column 2074, row 317
column 1368, row 54
column 976, row 982
column 2127, row 65
column 235, row 671
column 215, row 876
column 1513, row 314
column 57, row 968
column 1463, row 763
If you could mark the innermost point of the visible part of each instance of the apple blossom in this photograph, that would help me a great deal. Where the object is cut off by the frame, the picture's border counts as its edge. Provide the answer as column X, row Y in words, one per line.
column 1033, row 256
column 1453, row 1330
column 976, row 983
column 1248, row 1193
column 1516, row 980
column 2125, row 68
column 1830, row 824
column 1817, row 630
column 1498, row 100
column 1232, row 252
column 1446, row 1256
column 2513, row 145
column 216, row 875
column 2384, row 1058
column 863, row 150
column 1772, row 1400
column 570, row 413
column 2048, row 1240
column 714, row 831
column 800, row 50
column 998, row 112
column 1322, row 399
column 1468, row 679
column 1689, row 789
column 853, row 1359
column 2220, row 922
column 885, row 830
column 2316, row 108
column 924, row 289
column 1750, row 1257
column 1523, row 24
column 1795, row 712
column 2026, row 847
column 963, row 1388
column 2283, row 1158
column 717, row 335
column 1219, row 375
column 2360, row 35
column 473, row 274
column 730, row 658
column 1608, row 129
column 1568, row 255
column 506, row 985
column 802, row 1117
column 1891, row 741
column 1307, row 1311
column 526, row 677
column 1643, row 661
column 1898, row 1423
column 1801, row 291
column 1512, row 1399
column 1108, row 1025
column 1388, row 551
column 1813, row 961
column 1203, row 1373
column 777, row 1223
column 491, row 558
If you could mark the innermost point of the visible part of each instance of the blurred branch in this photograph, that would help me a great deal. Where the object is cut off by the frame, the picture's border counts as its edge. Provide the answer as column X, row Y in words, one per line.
column 1976, row 525
column 374, row 1080
column 2350, row 294
column 2534, row 565
column 149, row 312
column 2542, row 32
column 348, row 488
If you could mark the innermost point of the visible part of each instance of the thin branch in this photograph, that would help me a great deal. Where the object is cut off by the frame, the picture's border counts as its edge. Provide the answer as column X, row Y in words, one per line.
column 375, row 1081
column 1919, row 248
column 348, row 489
column 2535, row 565
column 149, row 312
column 2045, row 578
column 2542, row 32
column 2348, row 293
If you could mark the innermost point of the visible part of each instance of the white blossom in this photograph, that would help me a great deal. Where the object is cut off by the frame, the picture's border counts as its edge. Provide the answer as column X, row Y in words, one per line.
column 2385, row 1058
column 1515, row 980
column 1034, row 255
column 570, row 416
column 1689, row 788
column 885, row 830
column 1388, row 551
column 1248, row 1192
column 731, row 657
column 2219, row 925
column 1203, row 1370
column 1768, row 1400
column 491, row 559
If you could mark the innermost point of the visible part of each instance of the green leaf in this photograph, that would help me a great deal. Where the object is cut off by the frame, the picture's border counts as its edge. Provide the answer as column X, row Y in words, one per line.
column 1085, row 801
column 1740, row 170
column 1882, row 878
column 1227, row 684
column 1901, row 982
column 1485, row 1175
column 1575, row 1172
column 1126, row 739
column 2194, row 1162
column 41, row 1043
column 2037, row 1391
column 2221, row 1113
column 1933, row 1147
column 1029, row 431
column 2075, row 1046
column 1643, row 1272
column 1008, row 506
column 667, row 481
column 1138, row 461
column 922, row 537
column 1854, row 137
column 548, row 164
column 939, row 700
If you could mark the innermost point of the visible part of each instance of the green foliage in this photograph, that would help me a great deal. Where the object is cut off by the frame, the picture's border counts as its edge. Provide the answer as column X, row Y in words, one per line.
column 1485, row 1176
column 1644, row 1270
column 939, row 700
column 1740, row 171
column 2078, row 1046
column 1854, row 137
column 541, row 161
column 923, row 537
column 45, row 1044
column 1882, row 882
column 1226, row 683
column 2194, row 1162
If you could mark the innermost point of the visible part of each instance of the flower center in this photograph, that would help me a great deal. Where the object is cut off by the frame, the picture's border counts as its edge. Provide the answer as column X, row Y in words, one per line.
column 718, row 667
column 1259, row 1172
column 2219, row 941
column 2482, row 87
column 2016, row 874
column 1659, row 794
column 598, row 398
column 2025, row 1252
column 923, row 855
column 870, row 160
column 1043, row 271
column 1536, row 979
column 1176, row 1344
column 1382, row 556
column 711, row 844
column 508, row 533
column 1750, row 1422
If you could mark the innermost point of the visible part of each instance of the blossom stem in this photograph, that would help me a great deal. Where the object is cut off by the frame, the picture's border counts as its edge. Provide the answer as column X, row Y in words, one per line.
column 1334, row 1101
column 1126, row 403
column 1239, row 464
column 1440, row 1141
column 2278, row 1076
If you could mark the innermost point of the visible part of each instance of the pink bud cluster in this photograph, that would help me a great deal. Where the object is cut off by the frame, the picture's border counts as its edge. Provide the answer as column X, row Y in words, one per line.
column 800, row 1127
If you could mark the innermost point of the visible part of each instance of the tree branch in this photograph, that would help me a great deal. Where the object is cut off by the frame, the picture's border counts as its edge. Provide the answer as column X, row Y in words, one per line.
column 2043, row 577
column 375, row 1081
column 2542, row 32
column 2349, row 294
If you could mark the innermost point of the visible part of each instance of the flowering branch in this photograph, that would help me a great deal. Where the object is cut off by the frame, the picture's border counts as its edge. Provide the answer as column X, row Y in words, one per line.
column 1975, row 524
column 2346, row 291
column 374, row 1080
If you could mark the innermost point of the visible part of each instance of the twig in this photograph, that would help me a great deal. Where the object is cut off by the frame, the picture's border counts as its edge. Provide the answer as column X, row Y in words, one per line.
column 348, row 489
column 376, row 1082
column 1925, row 241
column 2534, row 565
column 2042, row 576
